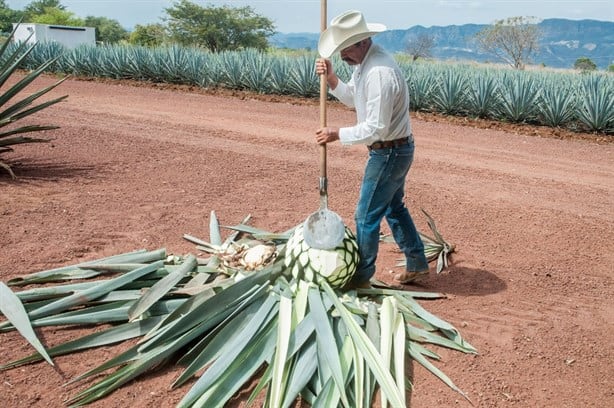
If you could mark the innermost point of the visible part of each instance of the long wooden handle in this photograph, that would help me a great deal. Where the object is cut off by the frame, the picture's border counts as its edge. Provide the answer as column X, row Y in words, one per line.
column 323, row 95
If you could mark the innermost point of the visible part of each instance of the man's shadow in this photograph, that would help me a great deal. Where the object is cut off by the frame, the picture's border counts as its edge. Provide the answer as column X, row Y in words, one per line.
column 459, row 280
column 464, row 281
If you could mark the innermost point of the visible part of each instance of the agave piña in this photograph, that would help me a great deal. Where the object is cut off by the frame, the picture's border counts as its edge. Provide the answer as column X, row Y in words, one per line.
column 336, row 266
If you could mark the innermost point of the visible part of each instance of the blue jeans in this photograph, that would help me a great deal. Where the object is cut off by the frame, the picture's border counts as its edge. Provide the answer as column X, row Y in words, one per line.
column 381, row 195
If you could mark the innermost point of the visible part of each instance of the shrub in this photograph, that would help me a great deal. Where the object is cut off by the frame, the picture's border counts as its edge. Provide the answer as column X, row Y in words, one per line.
column 585, row 64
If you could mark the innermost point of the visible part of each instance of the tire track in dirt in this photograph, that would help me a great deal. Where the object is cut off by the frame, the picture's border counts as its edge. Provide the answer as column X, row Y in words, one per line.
column 219, row 136
column 532, row 172
column 525, row 159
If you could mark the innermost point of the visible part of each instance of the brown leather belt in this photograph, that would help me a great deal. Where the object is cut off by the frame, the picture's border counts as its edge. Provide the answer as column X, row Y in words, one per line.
column 387, row 144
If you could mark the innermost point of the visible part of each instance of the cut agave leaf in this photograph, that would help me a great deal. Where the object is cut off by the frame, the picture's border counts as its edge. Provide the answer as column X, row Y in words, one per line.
column 106, row 337
column 368, row 351
column 13, row 309
column 128, row 257
column 161, row 288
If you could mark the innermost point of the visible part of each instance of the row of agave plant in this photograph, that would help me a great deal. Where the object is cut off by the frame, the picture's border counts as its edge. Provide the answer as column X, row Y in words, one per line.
column 252, row 305
column 581, row 102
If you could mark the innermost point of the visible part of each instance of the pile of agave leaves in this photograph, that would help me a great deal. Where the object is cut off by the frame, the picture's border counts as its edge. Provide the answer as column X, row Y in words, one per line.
column 229, row 320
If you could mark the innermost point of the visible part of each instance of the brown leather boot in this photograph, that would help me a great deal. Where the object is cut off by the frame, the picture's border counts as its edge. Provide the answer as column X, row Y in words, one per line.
column 409, row 277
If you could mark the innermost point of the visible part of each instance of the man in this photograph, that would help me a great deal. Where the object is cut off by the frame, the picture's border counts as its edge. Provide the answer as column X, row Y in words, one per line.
column 378, row 92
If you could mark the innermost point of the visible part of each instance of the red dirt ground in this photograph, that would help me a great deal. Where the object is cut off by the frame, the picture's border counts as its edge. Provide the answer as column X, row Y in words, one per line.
column 530, row 211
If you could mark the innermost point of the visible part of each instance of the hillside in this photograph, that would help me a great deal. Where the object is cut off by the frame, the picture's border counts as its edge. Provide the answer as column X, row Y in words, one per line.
column 563, row 42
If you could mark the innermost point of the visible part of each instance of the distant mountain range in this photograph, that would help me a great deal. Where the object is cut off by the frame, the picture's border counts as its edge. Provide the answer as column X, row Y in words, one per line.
column 563, row 42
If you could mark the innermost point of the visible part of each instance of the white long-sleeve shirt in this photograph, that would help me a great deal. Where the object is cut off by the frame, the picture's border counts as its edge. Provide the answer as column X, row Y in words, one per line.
column 378, row 92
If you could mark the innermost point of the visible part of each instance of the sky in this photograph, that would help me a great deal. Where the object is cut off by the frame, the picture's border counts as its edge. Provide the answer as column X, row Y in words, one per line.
column 294, row 16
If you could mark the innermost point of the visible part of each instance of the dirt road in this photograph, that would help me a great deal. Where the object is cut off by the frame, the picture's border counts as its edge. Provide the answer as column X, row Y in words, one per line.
column 137, row 167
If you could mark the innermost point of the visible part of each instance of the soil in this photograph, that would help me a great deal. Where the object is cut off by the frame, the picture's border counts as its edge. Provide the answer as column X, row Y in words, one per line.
column 529, row 209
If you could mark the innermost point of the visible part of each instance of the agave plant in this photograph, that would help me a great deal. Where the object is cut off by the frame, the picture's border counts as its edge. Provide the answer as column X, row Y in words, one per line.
column 597, row 105
column 449, row 94
column 303, row 80
column 518, row 98
column 436, row 248
column 557, row 105
column 174, row 62
column 422, row 84
column 14, row 110
column 257, row 71
column 232, row 69
column 483, row 97
column 227, row 320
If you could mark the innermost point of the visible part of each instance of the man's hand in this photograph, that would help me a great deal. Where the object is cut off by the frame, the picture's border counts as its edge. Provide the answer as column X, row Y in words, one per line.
column 325, row 67
column 327, row 135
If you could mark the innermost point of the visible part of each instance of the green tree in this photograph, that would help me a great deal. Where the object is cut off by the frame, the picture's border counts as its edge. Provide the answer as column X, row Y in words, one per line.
column 149, row 35
column 108, row 31
column 8, row 17
column 217, row 28
column 513, row 40
column 585, row 64
column 39, row 7
column 54, row 15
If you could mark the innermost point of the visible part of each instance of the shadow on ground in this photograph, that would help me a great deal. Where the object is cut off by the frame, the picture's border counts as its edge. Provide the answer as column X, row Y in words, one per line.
column 462, row 281
column 27, row 169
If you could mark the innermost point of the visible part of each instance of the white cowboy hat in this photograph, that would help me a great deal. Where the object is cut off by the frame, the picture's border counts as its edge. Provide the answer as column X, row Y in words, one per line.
column 344, row 30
